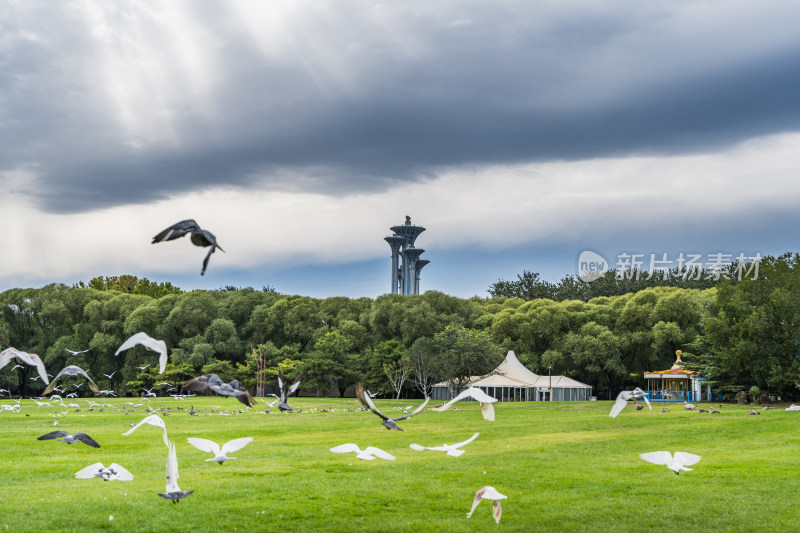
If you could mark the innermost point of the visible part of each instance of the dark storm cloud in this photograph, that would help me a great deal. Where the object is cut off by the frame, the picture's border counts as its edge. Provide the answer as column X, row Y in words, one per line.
column 492, row 86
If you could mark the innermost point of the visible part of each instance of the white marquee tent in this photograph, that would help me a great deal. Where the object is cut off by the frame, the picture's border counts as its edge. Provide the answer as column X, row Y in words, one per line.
column 512, row 382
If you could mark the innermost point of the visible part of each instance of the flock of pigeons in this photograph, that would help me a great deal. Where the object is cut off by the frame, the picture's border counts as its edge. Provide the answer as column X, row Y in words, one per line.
column 453, row 450
column 677, row 462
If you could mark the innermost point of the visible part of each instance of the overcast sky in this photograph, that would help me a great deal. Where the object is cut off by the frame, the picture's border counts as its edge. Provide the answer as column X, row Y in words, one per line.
column 519, row 133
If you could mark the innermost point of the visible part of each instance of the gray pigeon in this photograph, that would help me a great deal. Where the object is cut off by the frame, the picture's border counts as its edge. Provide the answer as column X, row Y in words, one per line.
column 213, row 382
column 199, row 237
column 388, row 423
column 70, row 439
column 283, row 406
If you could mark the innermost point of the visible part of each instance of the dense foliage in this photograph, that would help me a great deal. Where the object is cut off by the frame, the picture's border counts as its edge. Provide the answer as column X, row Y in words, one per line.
column 742, row 335
column 529, row 286
column 751, row 338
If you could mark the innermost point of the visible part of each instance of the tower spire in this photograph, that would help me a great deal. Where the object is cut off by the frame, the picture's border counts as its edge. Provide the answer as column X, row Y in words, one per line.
column 405, row 277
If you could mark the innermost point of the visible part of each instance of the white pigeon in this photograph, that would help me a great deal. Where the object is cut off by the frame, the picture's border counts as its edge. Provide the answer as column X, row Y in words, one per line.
column 475, row 393
column 453, row 450
column 368, row 454
column 624, row 396
column 676, row 463
column 488, row 493
column 113, row 472
column 688, row 406
column 220, row 454
column 148, row 342
column 153, row 420
column 28, row 358
column 793, row 407
column 173, row 491
column 272, row 403
column 71, row 370
column 12, row 408
column 73, row 352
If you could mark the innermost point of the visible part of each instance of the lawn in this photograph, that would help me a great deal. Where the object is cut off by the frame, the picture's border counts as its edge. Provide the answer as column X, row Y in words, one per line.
column 563, row 465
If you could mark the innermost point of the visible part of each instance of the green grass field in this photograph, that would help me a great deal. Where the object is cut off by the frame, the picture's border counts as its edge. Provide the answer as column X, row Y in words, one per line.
column 563, row 465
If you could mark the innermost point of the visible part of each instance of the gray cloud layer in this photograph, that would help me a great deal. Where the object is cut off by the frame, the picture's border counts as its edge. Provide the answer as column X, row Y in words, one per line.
column 109, row 105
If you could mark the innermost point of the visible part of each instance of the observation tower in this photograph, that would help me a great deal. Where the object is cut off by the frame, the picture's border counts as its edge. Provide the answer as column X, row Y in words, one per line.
column 405, row 276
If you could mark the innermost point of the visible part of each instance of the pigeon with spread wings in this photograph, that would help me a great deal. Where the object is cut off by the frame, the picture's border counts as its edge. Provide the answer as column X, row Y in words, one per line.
column 173, row 491
column 283, row 406
column 220, row 454
column 453, row 450
column 71, row 370
column 148, row 342
column 623, row 398
column 676, row 462
column 110, row 473
column 63, row 436
column 488, row 493
column 367, row 454
column 28, row 358
column 199, row 237
column 213, row 382
column 388, row 423
column 153, row 420
column 477, row 394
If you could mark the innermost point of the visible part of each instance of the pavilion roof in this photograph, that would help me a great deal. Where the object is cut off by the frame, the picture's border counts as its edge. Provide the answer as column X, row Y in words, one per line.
column 676, row 369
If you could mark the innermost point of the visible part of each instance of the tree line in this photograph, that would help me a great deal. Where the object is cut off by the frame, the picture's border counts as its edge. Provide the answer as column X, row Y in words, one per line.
column 741, row 334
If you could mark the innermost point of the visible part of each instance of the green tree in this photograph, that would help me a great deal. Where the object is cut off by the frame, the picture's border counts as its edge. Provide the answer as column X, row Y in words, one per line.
column 752, row 336
column 465, row 353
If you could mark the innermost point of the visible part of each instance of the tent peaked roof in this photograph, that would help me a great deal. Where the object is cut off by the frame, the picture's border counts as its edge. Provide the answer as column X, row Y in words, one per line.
column 512, row 368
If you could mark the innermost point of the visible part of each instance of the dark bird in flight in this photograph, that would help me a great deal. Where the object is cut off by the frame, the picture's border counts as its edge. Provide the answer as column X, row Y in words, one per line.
column 388, row 423
column 283, row 406
column 70, row 439
column 199, row 237
column 213, row 382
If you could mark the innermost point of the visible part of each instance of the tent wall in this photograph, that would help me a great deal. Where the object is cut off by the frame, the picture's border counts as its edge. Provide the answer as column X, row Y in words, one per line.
column 523, row 394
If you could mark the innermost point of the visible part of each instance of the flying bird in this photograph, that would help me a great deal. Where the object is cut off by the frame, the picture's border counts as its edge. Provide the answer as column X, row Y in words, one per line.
column 475, row 393
column 113, row 472
column 111, row 375
column 675, row 463
column 220, row 454
column 73, row 352
column 199, row 237
column 388, row 423
column 213, row 382
column 453, row 450
column 72, row 370
column 148, row 342
column 24, row 357
column 172, row 491
column 273, row 402
column 153, row 420
column 70, row 439
column 368, row 454
column 488, row 493
column 283, row 406
column 623, row 398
